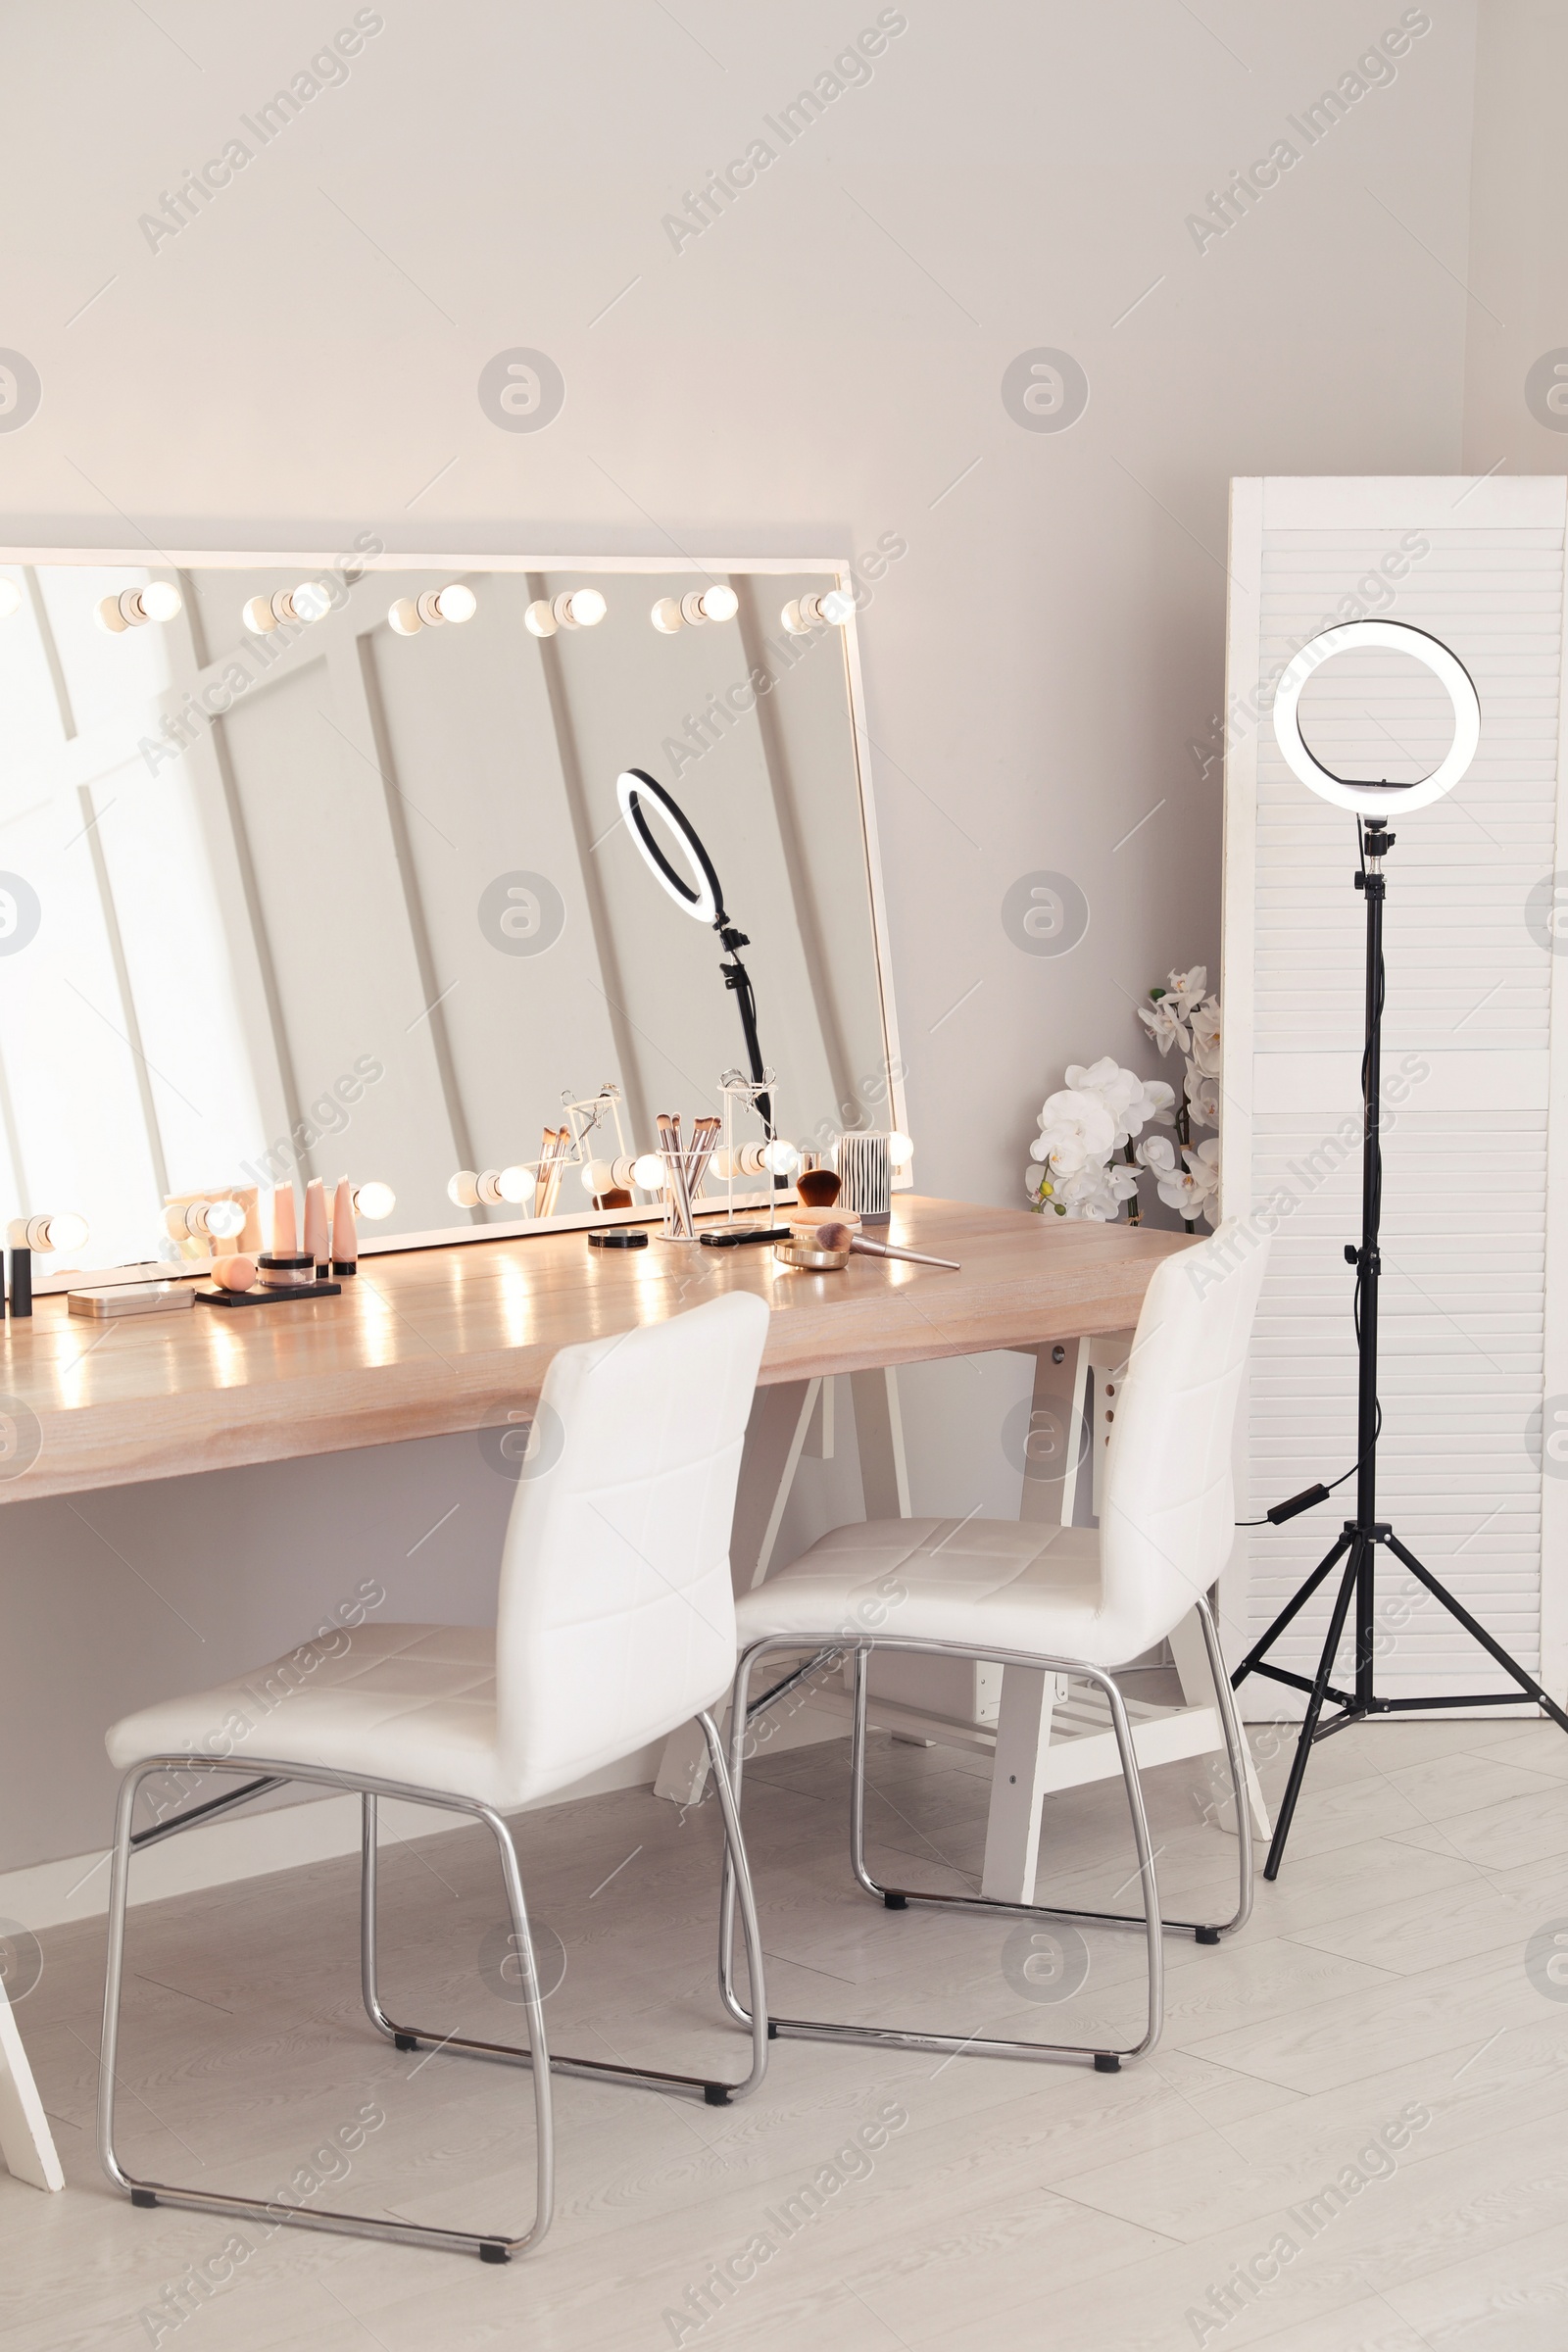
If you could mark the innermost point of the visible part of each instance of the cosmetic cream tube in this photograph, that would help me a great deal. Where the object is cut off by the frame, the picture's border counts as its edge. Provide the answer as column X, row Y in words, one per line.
column 345, row 1240
column 285, row 1233
column 317, row 1244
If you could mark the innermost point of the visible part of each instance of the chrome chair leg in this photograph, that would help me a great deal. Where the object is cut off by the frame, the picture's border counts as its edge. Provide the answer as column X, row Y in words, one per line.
column 899, row 1899
column 270, row 2212
column 369, row 1858
column 592, row 2070
column 1235, row 1757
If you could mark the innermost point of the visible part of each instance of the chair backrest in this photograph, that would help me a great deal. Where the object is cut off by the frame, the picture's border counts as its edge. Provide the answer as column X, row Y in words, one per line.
column 616, row 1618
column 1167, row 1515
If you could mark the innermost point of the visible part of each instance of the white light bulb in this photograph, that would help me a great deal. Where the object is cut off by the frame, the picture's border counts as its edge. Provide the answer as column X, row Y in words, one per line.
column 374, row 1200
column 311, row 601
column 667, row 616
column 259, row 616
column 403, row 618
column 780, row 1158
column 160, row 599
column 133, row 608
column 803, row 613
column 9, row 599
column 720, row 603
column 516, row 1185
column 649, row 1172
column 540, row 619
column 66, row 1230
column 457, row 603
column 464, row 1190
column 579, row 609
column 225, row 1218
column 899, row 1150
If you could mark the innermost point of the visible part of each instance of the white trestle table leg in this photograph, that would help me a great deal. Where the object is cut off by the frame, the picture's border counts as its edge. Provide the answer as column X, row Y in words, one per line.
column 26, row 2140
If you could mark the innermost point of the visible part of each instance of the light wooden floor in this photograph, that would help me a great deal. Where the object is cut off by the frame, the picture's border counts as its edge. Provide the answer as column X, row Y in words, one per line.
column 1016, row 2206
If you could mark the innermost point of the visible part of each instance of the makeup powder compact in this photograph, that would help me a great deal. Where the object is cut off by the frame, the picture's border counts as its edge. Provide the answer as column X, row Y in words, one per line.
column 294, row 1272
column 131, row 1298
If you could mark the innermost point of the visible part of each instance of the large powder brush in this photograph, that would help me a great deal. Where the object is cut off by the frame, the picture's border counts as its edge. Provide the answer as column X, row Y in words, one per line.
column 849, row 1237
column 817, row 1188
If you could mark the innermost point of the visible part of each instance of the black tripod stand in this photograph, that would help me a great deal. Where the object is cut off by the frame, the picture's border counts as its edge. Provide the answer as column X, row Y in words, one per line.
column 1360, row 1537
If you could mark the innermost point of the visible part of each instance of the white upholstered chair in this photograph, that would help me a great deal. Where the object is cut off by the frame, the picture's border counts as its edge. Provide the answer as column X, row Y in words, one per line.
column 615, row 1624
column 1050, row 1599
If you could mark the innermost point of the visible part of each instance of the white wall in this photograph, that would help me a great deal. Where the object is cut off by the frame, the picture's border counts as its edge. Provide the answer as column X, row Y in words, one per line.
column 821, row 366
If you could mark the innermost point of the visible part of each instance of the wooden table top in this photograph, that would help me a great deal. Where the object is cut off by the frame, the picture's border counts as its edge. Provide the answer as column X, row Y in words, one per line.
column 426, row 1341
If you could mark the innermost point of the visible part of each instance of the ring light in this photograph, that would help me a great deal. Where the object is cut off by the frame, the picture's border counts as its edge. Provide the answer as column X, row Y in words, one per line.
column 706, row 903
column 1365, row 796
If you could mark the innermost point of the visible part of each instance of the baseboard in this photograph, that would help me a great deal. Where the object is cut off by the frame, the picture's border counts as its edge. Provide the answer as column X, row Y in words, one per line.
column 49, row 1895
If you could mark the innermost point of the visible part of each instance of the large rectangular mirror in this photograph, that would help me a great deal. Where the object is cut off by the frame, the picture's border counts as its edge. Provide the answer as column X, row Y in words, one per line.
column 314, row 866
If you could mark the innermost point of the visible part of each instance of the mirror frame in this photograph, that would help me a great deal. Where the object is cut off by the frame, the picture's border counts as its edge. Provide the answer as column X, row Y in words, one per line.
column 369, row 557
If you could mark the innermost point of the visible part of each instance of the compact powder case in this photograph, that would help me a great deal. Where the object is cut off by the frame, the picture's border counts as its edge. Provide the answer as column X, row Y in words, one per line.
column 291, row 1273
column 132, row 1299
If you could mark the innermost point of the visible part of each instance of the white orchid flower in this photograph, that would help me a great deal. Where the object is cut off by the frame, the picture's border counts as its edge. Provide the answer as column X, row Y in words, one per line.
column 1157, row 1153
column 1117, row 1089
column 1131, row 1101
column 1206, row 1027
column 1074, row 1127
column 1163, row 1020
column 1092, row 1195
column 1195, row 1189
column 1187, row 988
column 1156, row 1104
column 1203, row 1097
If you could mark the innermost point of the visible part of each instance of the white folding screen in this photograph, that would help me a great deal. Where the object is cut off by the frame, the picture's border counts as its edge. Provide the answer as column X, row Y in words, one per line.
column 1475, row 1201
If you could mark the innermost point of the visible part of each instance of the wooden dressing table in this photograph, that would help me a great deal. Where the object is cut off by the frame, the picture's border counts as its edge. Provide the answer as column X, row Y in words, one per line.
column 423, row 1342
column 428, row 1342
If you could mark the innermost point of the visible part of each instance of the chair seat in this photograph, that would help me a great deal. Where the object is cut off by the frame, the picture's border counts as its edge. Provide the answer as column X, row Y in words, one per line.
column 975, row 1582
column 393, row 1703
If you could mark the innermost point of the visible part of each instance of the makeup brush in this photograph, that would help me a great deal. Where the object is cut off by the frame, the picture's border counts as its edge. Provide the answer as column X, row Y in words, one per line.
column 817, row 1188
column 704, row 1135
column 674, row 1159
column 847, row 1236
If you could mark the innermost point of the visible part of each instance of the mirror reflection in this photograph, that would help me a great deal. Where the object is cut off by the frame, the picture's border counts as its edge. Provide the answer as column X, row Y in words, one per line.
column 324, row 870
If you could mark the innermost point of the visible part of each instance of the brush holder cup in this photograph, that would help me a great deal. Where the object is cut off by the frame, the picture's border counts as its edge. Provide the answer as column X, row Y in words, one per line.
column 864, row 1168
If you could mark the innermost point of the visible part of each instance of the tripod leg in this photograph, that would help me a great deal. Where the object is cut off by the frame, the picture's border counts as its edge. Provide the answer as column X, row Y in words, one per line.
column 1477, row 1633
column 1314, row 1709
column 1258, row 1648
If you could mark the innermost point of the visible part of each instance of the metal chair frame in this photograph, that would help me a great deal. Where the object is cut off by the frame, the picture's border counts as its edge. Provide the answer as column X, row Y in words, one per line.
column 899, row 1898
column 263, row 1774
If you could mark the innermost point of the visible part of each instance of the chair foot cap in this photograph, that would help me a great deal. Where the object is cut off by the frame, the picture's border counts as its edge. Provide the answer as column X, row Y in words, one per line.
column 1107, row 2062
column 715, row 2094
column 1208, row 1935
column 405, row 2041
column 897, row 1902
column 494, row 2254
column 142, row 2196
